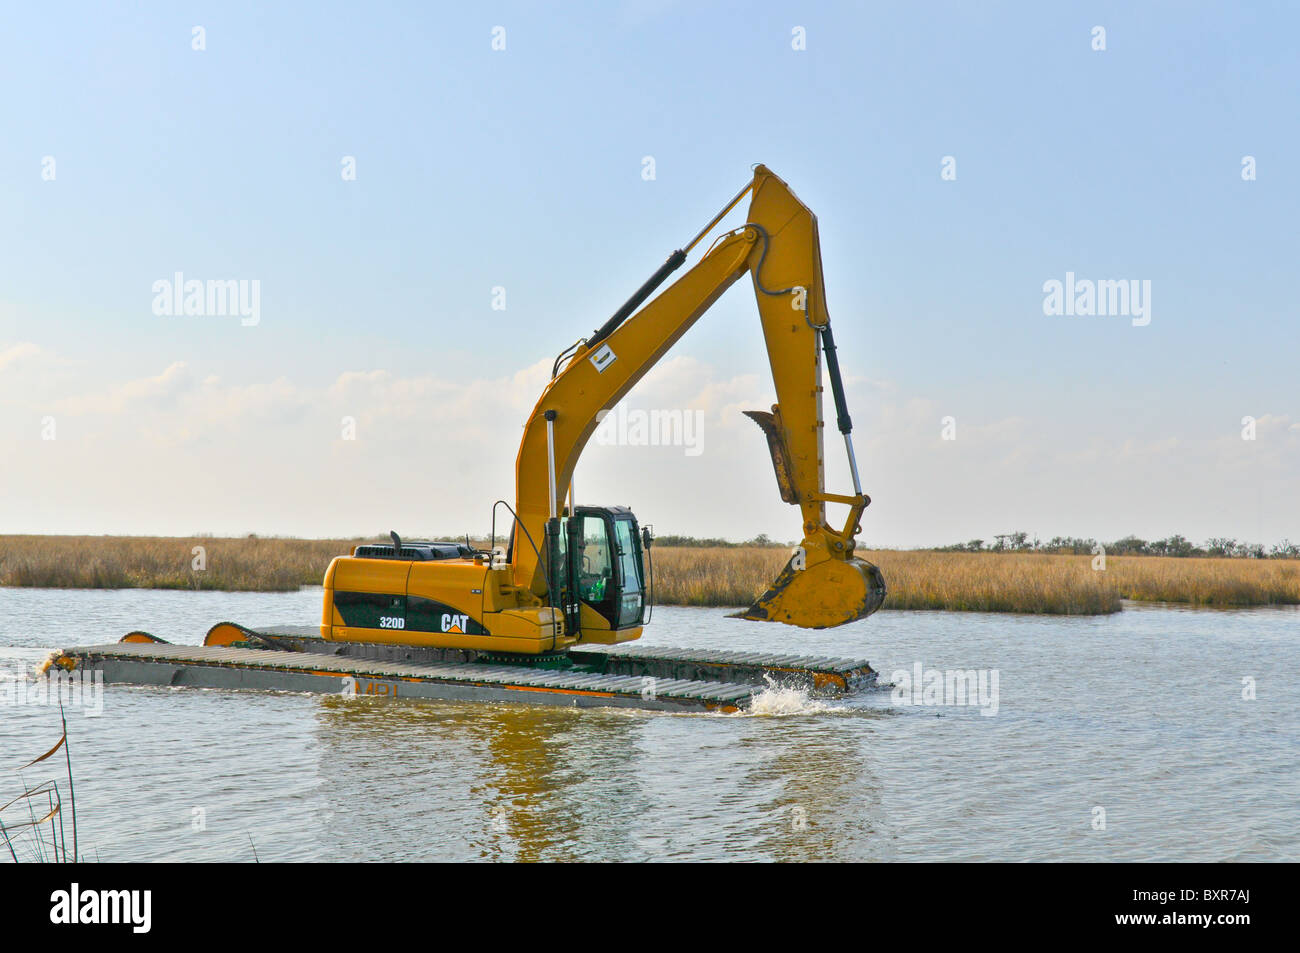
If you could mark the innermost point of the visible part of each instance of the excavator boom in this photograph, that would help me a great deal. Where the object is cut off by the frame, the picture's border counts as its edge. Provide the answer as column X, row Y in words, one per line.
column 824, row 584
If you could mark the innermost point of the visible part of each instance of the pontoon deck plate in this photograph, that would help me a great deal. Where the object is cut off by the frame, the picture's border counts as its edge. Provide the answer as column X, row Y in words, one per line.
column 651, row 677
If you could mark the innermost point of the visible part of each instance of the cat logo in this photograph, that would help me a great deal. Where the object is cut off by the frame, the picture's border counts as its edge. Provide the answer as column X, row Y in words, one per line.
column 454, row 623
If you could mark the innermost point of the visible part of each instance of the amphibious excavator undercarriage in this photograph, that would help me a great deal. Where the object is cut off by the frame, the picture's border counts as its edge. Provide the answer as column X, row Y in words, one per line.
column 573, row 581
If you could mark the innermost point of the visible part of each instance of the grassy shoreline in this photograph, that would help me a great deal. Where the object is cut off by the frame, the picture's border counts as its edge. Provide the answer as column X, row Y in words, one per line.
column 1036, row 583
column 1033, row 583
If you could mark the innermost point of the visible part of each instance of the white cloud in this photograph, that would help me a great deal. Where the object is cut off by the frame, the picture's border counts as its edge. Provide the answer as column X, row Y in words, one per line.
column 182, row 451
column 159, row 389
column 17, row 353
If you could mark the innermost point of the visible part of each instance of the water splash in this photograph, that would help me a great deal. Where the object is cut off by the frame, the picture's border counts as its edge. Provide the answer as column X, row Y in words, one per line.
column 784, row 700
column 45, row 664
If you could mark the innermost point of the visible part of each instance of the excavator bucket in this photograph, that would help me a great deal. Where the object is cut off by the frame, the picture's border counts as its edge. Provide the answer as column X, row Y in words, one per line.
column 827, row 593
column 820, row 596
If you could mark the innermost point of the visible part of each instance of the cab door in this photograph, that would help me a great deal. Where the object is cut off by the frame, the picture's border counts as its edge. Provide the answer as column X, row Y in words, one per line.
column 631, row 575
column 591, row 558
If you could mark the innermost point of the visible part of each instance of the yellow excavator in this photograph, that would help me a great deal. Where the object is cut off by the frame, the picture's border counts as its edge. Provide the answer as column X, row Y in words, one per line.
column 574, row 574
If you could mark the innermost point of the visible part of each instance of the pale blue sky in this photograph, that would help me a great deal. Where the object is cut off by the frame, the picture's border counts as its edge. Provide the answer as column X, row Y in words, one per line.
column 522, row 168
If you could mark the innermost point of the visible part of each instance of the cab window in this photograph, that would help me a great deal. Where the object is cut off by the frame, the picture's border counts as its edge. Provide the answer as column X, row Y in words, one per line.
column 596, row 569
column 630, row 565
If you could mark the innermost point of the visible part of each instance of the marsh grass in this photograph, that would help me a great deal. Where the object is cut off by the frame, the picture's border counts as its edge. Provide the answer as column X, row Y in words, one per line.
column 994, row 582
column 1207, row 582
column 690, row 576
column 1008, row 582
column 976, row 582
column 142, row 562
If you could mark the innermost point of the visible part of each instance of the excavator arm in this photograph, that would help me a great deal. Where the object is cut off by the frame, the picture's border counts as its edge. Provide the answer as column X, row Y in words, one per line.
column 824, row 584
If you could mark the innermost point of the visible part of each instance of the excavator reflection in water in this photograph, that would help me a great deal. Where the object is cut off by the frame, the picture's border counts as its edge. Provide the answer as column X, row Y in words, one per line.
column 577, row 574
column 533, row 783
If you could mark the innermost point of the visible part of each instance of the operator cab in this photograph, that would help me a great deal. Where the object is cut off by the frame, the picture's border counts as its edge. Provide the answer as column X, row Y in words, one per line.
column 600, row 562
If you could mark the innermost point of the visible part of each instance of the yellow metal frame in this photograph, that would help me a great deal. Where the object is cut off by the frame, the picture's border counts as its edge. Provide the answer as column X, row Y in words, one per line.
column 780, row 249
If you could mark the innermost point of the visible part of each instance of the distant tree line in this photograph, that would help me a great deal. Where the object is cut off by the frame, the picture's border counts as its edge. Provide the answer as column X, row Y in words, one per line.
column 1176, row 545
column 761, row 540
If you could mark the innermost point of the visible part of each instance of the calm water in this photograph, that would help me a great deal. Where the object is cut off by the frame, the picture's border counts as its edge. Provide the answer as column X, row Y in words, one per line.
column 1140, row 714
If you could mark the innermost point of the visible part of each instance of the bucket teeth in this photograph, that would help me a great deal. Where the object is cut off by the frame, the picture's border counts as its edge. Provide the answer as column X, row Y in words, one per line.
column 771, row 426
